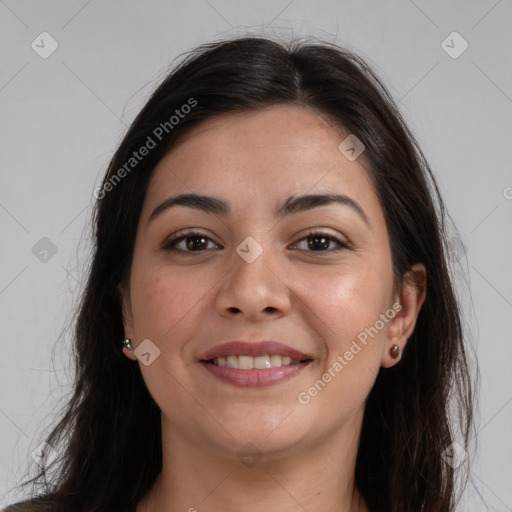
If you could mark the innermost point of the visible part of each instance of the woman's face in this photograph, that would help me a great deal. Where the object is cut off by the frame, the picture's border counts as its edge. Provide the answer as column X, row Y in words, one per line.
column 256, row 273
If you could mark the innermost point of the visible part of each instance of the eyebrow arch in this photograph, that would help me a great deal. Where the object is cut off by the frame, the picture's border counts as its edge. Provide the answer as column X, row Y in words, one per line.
column 294, row 204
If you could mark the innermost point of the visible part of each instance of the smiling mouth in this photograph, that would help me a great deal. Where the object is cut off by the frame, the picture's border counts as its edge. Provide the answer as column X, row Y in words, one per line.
column 259, row 362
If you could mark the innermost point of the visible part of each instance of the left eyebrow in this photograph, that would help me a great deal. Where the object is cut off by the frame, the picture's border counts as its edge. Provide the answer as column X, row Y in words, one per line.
column 294, row 204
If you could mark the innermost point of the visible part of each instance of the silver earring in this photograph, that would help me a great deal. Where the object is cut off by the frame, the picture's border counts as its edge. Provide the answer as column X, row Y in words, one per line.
column 127, row 343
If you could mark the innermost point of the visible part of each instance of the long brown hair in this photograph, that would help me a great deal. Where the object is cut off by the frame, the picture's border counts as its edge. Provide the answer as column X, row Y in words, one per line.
column 104, row 464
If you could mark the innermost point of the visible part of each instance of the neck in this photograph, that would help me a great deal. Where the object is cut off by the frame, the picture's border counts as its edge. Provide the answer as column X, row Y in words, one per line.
column 320, row 478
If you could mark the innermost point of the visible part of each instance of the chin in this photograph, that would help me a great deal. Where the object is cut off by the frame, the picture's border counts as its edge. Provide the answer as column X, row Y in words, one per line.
column 270, row 431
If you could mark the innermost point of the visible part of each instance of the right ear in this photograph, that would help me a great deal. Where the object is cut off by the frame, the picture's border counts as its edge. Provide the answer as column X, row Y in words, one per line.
column 126, row 308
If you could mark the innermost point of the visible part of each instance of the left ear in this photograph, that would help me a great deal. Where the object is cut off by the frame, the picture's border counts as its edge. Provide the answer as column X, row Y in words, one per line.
column 411, row 298
column 126, row 307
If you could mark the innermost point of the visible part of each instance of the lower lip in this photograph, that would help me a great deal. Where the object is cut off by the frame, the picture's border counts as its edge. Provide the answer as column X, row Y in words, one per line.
column 254, row 378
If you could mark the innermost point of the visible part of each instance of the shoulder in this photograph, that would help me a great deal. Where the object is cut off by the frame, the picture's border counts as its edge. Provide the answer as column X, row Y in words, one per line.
column 21, row 506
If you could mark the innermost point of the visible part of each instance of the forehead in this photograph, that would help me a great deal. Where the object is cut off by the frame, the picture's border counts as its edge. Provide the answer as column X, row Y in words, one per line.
column 256, row 158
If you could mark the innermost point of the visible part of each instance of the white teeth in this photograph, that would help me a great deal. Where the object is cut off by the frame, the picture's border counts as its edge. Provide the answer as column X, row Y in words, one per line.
column 259, row 362
column 245, row 362
column 262, row 362
column 276, row 361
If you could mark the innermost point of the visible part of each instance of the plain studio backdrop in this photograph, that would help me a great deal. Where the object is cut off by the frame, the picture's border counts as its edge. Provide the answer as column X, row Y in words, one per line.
column 74, row 74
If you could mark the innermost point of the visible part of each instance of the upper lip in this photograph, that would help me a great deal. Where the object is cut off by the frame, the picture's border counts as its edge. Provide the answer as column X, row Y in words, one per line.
column 254, row 349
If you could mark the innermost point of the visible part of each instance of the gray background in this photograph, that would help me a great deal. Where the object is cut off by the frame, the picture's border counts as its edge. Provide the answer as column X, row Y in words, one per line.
column 61, row 118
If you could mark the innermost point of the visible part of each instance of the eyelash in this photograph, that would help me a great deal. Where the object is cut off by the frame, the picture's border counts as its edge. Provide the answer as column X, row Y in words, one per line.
column 170, row 245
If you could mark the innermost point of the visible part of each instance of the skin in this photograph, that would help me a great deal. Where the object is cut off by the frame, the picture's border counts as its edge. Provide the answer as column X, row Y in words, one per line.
column 304, row 297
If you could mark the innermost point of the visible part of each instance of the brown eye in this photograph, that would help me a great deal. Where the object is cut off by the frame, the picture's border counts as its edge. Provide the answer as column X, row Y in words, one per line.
column 318, row 241
column 193, row 242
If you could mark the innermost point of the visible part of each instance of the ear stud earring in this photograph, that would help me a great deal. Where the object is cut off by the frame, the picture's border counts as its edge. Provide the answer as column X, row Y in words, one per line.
column 127, row 343
column 394, row 351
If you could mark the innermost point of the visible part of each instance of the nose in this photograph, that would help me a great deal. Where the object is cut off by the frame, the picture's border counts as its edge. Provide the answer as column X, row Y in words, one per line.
column 254, row 289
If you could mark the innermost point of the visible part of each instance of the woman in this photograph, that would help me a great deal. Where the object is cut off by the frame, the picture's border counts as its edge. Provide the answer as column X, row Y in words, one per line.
column 270, row 245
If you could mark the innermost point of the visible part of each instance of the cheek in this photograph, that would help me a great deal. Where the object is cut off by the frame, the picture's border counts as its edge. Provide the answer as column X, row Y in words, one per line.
column 350, row 304
column 162, row 300
column 349, row 300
